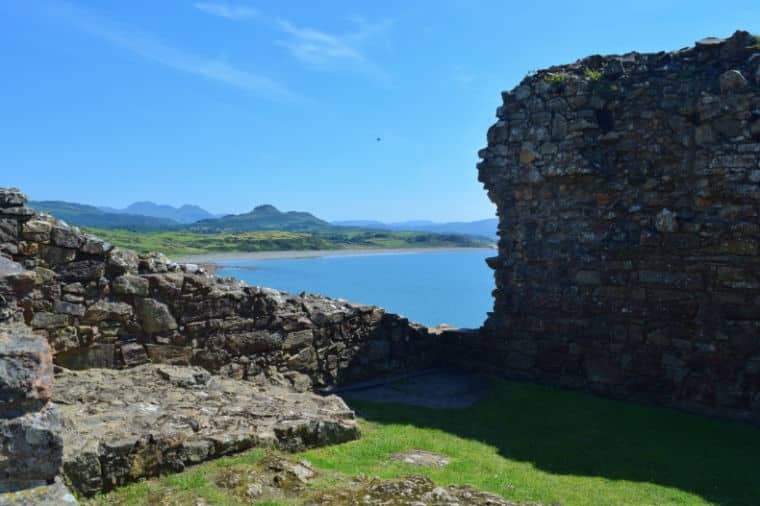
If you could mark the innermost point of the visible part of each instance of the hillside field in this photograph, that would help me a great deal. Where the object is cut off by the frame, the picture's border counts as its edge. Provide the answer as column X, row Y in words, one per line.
column 183, row 243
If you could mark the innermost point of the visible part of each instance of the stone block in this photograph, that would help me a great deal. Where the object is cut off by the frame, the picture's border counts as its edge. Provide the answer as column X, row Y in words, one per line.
column 37, row 230
column 69, row 308
column 154, row 316
column 122, row 262
column 130, row 284
column 65, row 236
column 9, row 230
column 588, row 278
column 31, row 446
column 168, row 354
column 104, row 310
column 99, row 356
column 133, row 354
column 46, row 320
column 26, row 370
column 12, row 197
column 297, row 340
column 84, row 270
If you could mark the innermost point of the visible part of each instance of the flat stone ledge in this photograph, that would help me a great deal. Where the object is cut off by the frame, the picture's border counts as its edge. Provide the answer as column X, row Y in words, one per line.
column 121, row 426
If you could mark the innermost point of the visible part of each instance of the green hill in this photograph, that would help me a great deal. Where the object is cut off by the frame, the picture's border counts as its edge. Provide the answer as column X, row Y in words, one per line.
column 89, row 216
column 182, row 242
column 262, row 218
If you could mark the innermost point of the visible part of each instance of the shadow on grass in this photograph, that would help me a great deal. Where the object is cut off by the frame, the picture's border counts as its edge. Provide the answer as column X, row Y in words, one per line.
column 572, row 433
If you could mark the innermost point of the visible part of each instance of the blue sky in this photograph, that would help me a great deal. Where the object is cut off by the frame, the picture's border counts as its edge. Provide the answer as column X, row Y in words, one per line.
column 231, row 104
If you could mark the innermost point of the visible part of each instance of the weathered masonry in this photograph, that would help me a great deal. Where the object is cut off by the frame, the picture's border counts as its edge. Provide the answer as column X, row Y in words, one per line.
column 628, row 194
column 100, row 306
column 136, row 338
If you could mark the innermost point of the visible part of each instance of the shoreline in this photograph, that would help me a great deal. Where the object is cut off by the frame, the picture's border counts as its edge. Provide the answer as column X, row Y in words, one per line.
column 217, row 259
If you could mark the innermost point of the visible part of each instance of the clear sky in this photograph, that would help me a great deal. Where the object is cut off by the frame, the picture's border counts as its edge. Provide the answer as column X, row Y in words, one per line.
column 233, row 103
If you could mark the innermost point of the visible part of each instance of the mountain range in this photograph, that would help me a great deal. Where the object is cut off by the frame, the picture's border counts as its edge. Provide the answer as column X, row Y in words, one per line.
column 150, row 217
column 264, row 217
column 183, row 214
column 481, row 228
column 91, row 216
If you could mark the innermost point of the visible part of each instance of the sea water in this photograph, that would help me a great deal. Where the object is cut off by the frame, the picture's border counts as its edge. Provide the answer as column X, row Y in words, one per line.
column 429, row 287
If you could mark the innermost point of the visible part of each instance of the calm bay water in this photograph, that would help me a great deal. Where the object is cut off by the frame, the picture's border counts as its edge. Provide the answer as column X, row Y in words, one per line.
column 434, row 287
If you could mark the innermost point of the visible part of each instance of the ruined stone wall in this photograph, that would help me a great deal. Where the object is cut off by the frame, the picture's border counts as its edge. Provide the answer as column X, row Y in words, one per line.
column 99, row 306
column 31, row 445
column 629, row 253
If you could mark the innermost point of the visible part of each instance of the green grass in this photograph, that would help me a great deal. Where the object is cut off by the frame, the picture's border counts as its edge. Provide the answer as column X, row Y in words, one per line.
column 532, row 443
column 182, row 243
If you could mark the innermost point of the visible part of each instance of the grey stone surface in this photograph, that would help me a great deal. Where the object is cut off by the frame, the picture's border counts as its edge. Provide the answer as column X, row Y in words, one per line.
column 120, row 426
column 39, row 494
column 31, row 446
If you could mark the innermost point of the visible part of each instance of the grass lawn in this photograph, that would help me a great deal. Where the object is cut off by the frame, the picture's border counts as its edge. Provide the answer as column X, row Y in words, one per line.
column 529, row 443
column 183, row 243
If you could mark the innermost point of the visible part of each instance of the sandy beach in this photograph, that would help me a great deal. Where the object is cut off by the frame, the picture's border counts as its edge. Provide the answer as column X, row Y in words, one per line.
column 217, row 258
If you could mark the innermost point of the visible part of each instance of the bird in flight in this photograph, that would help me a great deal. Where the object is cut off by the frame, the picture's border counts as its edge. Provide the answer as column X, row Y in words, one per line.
column 378, row 139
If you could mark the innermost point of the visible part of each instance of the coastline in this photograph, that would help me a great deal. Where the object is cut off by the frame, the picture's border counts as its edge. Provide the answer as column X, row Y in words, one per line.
column 216, row 259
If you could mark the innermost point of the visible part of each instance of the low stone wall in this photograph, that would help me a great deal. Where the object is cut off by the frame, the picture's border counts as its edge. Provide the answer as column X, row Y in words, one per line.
column 101, row 306
column 629, row 259
column 100, row 309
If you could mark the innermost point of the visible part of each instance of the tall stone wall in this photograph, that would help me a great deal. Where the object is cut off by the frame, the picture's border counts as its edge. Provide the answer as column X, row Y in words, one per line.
column 628, row 194
column 99, row 306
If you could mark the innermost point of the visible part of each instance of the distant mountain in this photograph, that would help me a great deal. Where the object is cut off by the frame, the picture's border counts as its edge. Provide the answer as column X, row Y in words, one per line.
column 264, row 217
column 361, row 223
column 184, row 214
column 261, row 218
column 91, row 216
column 481, row 228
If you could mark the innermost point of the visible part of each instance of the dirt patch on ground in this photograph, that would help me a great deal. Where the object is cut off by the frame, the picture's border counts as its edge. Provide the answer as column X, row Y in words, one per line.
column 434, row 389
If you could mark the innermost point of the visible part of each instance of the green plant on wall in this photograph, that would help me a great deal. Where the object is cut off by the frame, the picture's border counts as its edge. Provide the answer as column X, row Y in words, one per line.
column 603, row 88
column 556, row 77
column 594, row 75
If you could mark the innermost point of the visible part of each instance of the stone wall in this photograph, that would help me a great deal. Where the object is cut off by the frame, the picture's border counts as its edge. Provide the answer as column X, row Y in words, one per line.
column 31, row 446
column 72, row 298
column 628, row 197
column 99, row 306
